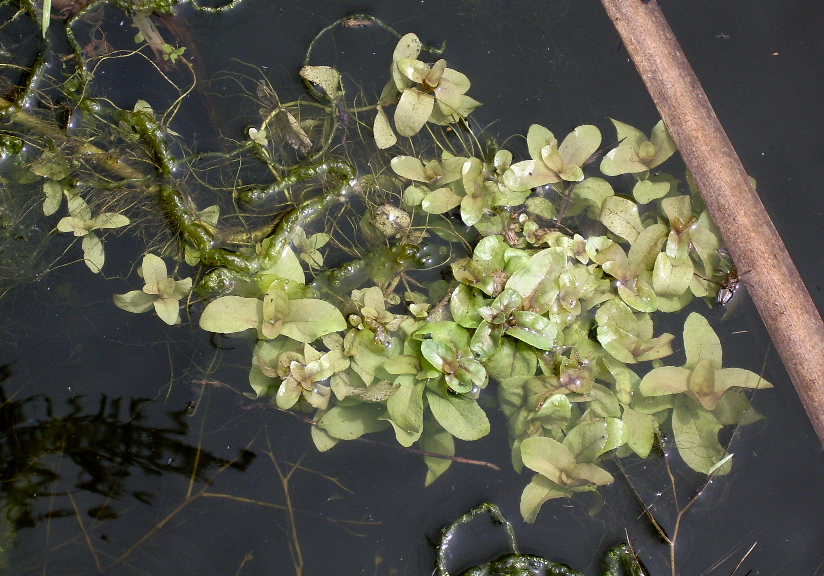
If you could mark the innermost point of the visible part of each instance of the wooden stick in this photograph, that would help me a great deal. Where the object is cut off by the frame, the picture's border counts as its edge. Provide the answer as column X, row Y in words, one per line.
column 751, row 238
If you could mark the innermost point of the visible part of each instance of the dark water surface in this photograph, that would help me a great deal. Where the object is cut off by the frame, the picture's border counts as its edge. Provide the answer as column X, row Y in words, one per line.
column 362, row 508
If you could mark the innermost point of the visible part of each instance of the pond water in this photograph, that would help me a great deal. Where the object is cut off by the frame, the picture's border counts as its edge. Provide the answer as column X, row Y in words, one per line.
column 128, row 446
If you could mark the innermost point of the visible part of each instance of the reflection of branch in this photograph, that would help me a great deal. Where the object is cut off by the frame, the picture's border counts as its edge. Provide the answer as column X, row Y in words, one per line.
column 672, row 540
column 308, row 420
column 106, row 445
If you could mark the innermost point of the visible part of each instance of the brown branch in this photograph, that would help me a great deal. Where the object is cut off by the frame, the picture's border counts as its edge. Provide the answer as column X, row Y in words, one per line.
column 776, row 287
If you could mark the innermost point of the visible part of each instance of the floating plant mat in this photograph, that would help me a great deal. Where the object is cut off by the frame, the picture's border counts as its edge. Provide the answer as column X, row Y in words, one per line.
column 382, row 272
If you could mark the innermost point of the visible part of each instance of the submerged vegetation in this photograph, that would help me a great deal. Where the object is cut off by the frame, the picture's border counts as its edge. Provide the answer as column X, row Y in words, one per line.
column 397, row 273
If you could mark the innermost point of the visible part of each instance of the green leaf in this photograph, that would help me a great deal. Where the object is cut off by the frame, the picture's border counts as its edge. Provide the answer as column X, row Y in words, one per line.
column 405, row 408
column 275, row 310
column 459, row 415
column 538, row 491
column 641, row 429
column 409, row 167
column 440, row 201
column 555, row 412
column 588, row 440
column 541, row 270
column 323, row 441
column 701, row 342
column 52, row 165
column 663, row 143
column 54, row 196
column 590, row 194
column 665, row 380
column 645, row 249
column 438, row 441
column 412, row 111
column 621, row 217
column 231, row 314
column 696, row 435
column 537, row 137
column 671, row 277
column 727, row 378
column 534, row 329
column 622, row 160
column 547, row 457
column 464, row 304
column 309, row 319
column 580, row 144
column 286, row 266
column 471, row 209
column 351, row 422
column 646, row 191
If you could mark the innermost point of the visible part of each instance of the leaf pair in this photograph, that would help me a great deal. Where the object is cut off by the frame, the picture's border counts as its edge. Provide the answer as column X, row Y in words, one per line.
column 81, row 223
column 702, row 397
column 160, row 292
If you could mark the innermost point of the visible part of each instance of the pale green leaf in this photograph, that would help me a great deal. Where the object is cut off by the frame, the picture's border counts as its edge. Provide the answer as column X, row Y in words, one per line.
column 110, row 220
column 645, row 249
column 663, row 143
column 405, row 407
column 382, row 130
column 641, row 429
column 671, row 277
column 54, row 196
column 412, row 111
column 534, row 329
column 231, row 314
column 588, row 440
column 538, row 137
column 323, row 440
column 665, row 380
column 437, row 441
column 541, row 270
column 622, row 160
column 580, row 144
column 727, row 378
column 168, row 310
column 696, row 435
column 440, row 201
column 646, row 191
column 324, row 76
column 93, row 252
column 621, row 217
column 409, row 167
column 536, row 493
column 309, row 319
column 153, row 270
column 136, row 301
column 589, row 473
column 350, row 422
column 72, row 224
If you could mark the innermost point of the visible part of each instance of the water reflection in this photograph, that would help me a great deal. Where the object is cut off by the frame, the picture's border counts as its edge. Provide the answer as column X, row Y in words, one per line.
column 108, row 443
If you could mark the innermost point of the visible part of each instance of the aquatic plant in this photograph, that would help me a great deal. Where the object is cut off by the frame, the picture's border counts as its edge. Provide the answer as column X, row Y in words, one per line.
column 619, row 559
column 398, row 291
